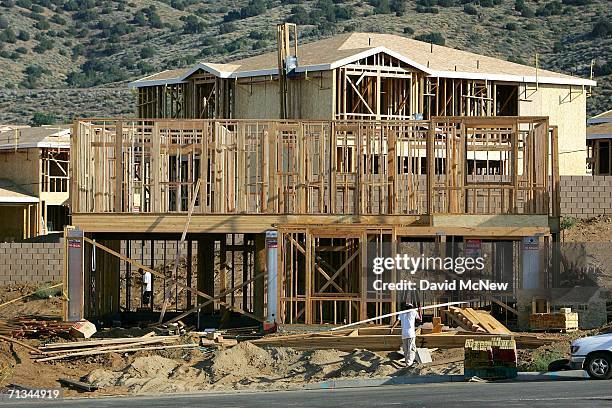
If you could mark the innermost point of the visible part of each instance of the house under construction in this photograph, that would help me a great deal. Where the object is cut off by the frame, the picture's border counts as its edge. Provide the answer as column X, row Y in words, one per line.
column 281, row 176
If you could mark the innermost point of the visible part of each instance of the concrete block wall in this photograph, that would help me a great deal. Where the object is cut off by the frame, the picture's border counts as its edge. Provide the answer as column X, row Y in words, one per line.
column 31, row 262
column 586, row 196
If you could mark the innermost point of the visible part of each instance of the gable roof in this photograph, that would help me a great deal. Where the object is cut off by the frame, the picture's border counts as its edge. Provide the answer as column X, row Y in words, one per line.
column 334, row 52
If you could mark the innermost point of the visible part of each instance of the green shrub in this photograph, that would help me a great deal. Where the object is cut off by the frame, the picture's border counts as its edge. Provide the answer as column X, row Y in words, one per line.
column 527, row 12
column 193, row 25
column 147, row 52
column 568, row 222
column 511, row 26
column 602, row 69
column 469, row 9
column 408, row 30
column 42, row 25
column 259, row 44
column 551, row 8
column 602, row 29
column 45, row 291
column 23, row 36
column 8, row 36
column 540, row 362
column 434, row 38
column 226, row 28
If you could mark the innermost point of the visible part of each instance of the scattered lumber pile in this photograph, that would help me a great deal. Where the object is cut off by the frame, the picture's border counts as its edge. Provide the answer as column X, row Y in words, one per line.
column 565, row 320
column 495, row 358
column 215, row 339
column 59, row 351
column 479, row 321
column 34, row 327
column 383, row 338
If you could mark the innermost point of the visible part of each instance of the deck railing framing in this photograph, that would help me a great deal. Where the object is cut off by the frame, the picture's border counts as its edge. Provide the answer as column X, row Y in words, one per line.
column 480, row 165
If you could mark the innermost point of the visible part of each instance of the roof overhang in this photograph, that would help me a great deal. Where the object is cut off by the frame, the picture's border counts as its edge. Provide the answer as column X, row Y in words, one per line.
column 598, row 121
column 596, row 136
column 356, row 57
column 531, row 79
column 17, row 200
column 42, row 145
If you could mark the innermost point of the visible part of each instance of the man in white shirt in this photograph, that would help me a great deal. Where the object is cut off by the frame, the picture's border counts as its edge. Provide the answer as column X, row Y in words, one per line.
column 146, row 283
column 408, row 321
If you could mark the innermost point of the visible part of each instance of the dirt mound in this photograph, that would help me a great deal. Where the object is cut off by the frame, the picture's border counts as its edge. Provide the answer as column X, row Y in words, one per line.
column 243, row 366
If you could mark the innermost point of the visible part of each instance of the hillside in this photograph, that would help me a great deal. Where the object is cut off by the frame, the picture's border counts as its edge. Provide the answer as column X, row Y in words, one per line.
column 67, row 58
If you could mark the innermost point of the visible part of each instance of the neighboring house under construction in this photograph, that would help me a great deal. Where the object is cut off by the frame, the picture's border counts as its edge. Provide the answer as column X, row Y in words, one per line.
column 33, row 181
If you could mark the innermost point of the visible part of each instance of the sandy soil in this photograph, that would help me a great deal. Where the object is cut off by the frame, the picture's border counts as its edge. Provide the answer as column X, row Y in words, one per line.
column 597, row 229
column 32, row 305
column 587, row 245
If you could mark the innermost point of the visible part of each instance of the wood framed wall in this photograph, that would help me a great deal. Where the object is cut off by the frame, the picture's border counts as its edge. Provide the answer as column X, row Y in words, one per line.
column 222, row 266
column 202, row 96
column 54, row 170
column 449, row 165
column 325, row 273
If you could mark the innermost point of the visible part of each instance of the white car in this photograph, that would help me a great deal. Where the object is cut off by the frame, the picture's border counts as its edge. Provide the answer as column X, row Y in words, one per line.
column 593, row 354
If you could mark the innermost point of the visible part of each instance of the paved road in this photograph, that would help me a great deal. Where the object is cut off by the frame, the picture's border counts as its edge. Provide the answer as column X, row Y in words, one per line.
column 555, row 394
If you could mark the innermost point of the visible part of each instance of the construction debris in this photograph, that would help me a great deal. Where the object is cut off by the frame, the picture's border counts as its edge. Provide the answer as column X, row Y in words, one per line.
column 38, row 327
column 490, row 359
column 77, row 384
column 383, row 338
column 82, row 330
column 22, row 344
column 565, row 320
column 479, row 321
column 423, row 356
column 58, row 351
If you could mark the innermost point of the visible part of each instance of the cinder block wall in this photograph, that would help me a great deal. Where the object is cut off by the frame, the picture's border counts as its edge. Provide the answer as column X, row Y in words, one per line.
column 30, row 262
column 586, row 196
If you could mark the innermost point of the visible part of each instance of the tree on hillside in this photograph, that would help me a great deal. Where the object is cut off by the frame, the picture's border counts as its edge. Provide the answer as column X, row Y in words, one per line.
column 40, row 119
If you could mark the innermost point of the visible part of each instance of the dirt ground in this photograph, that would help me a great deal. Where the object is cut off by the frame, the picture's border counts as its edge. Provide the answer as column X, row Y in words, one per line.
column 33, row 305
column 597, row 229
column 587, row 245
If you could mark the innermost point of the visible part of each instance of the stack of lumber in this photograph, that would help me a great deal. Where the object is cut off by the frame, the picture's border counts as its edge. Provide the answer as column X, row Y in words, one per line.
column 383, row 338
column 217, row 341
column 565, row 320
column 34, row 327
column 495, row 358
column 435, row 327
column 479, row 321
column 59, row 351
